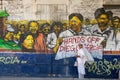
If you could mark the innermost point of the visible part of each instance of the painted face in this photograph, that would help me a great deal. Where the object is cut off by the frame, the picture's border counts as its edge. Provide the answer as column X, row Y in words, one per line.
column 22, row 28
column 116, row 22
column 9, row 36
column 46, row 30
column 87, row 22
column 103, row 20
column 28, row 42
column 57, row 29
column 75, row 24
column 17, row 36
column 64, row 27
column 33, row 27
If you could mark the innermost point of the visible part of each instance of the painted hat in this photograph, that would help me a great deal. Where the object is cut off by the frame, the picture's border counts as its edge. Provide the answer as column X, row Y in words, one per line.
column 3, row 13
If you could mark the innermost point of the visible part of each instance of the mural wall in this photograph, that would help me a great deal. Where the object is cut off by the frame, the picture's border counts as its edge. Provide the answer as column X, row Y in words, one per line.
column 54, row 30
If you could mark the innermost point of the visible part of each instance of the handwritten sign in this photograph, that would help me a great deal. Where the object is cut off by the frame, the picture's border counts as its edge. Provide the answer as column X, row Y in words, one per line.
column 69, row 46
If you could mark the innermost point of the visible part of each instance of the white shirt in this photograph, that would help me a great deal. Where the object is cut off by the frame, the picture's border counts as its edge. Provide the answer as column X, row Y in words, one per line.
column 117, row 39
column 51, row 40
column 108, row 34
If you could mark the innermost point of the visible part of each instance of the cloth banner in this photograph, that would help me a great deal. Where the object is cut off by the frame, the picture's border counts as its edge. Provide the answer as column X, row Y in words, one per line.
column 91, row 44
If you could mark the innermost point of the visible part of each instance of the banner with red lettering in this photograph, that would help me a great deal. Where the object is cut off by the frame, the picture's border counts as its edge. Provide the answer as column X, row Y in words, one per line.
column 68, row 48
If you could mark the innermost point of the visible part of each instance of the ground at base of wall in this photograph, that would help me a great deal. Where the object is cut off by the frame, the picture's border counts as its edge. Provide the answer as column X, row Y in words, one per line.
column 25, row 78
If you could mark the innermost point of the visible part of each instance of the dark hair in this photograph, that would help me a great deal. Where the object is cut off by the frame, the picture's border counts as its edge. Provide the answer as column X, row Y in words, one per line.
column 87, row 19
column 99, row 12
column 110, row 13
column 23, row 37
column 44, row 25
column 31, row 22
column 56, row 24
column 77, row 15
column 22, row 25
column 80, row 44
column 115, row 17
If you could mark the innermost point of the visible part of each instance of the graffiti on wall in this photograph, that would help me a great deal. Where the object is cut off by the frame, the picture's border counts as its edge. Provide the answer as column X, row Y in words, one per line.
column 58, row 35
column 37, row 64
column 11, row 60
column 103, row 67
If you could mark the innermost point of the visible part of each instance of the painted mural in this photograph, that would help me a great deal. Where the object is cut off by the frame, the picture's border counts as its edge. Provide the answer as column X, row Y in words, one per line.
column 27, row 43
column 46, row 37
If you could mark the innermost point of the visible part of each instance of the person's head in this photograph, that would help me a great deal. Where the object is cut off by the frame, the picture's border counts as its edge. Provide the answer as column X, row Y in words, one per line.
column 87, row 21
column 22, row 27
column 65, row 27
column 102, row 17
column 33, row 27
column 10, row 33
column 3, row 15
column 80, row 45
column 115, row 21
column 45, row 28
column 75, row 21
column 9, row 36
column 57, row 27
column 110, row 13
column 28, row 41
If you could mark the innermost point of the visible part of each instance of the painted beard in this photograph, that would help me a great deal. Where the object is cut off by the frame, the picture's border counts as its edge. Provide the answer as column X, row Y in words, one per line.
column 102, row 24
column 74, row 27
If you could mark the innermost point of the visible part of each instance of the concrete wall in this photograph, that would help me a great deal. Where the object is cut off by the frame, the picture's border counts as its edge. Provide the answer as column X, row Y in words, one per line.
column 112, row 2
column 52, row 9
column 85, row 7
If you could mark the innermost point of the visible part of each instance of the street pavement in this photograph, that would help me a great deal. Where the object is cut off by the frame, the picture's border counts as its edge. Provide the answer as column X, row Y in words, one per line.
column 26, row 78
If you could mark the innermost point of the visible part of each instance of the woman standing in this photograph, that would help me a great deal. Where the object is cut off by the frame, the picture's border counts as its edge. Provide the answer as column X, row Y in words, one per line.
column 81, row 59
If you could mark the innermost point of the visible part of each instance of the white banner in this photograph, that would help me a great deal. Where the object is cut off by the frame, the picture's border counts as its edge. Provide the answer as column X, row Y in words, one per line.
column 68, row 48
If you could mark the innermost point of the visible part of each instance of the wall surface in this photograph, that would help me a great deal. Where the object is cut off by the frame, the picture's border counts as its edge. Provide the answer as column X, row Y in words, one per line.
column 24, row 9
column 42, row 65
column 15, row 62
